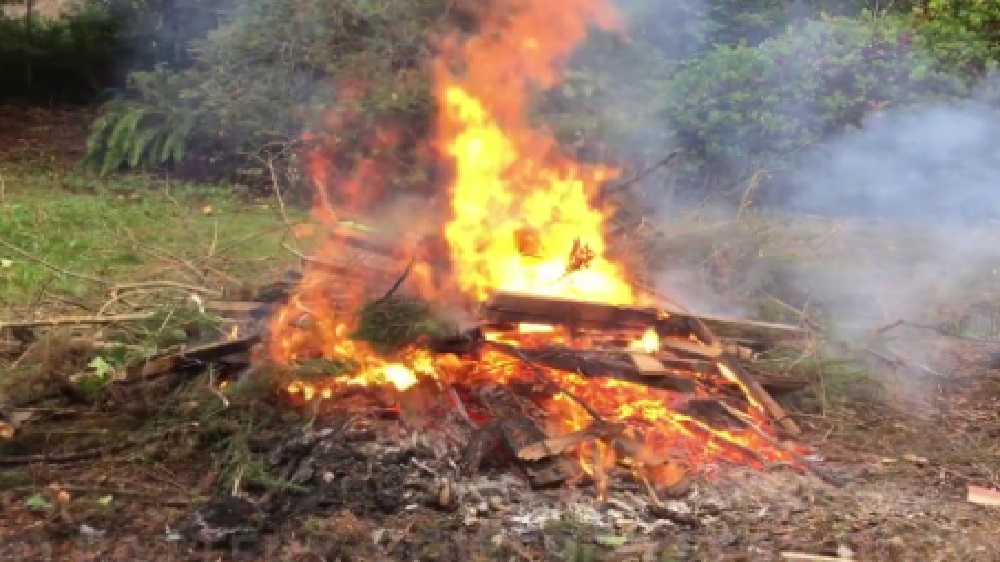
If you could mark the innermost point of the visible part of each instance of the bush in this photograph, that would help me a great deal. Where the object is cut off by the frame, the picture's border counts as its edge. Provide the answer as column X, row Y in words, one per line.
column 269, row 71
column 739, row 109
column 963, row 35
column 67, row 59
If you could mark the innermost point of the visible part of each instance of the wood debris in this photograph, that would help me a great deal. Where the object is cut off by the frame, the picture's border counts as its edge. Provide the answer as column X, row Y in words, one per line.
column 801, row 556
column 983, row 496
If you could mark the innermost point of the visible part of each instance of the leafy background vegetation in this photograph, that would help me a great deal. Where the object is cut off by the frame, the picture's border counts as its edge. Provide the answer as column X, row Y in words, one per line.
column 225, row 89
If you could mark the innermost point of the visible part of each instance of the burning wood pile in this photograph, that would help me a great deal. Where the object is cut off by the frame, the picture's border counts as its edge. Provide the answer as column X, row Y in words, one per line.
column 562, row 390
column 568, row 367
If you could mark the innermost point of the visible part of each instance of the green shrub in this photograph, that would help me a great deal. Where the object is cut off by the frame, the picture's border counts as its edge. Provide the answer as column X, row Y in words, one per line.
column 964, row 35
column 66, row 59
column 739, row 109
column 272, row 69
column 151, row 131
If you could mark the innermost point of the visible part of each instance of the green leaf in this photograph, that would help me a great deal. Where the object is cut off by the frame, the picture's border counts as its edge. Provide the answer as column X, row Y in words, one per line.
column 37, row 503
column 610, row 540
column 100, row 367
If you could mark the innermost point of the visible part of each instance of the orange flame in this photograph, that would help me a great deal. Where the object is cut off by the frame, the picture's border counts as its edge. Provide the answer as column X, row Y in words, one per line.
column 511, row 179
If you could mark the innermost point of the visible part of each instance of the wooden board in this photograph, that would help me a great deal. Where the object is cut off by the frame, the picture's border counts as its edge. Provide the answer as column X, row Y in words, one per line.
column 599, row 363
column 514, row 308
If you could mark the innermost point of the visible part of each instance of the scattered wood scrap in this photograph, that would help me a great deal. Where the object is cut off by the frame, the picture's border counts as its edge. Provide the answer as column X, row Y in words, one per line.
column 189, row 356
column 983, row 496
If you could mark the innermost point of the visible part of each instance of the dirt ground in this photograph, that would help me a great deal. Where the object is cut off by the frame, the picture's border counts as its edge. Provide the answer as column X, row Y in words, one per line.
column 904, row 459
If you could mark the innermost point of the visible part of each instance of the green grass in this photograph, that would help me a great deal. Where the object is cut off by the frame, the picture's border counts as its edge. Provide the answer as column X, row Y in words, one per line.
column 127, row 229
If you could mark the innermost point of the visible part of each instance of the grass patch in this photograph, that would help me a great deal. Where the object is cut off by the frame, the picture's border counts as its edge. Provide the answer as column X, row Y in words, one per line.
column 124, row 229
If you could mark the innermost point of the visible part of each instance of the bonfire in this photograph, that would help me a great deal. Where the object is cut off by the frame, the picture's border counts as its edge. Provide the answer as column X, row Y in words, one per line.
column 612, row 375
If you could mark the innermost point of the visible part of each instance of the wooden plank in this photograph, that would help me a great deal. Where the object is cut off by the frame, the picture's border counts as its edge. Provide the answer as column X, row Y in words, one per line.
column 732, row 368
column 752, row 330
column 674, row 331
column 599, row 363
column 506, row 307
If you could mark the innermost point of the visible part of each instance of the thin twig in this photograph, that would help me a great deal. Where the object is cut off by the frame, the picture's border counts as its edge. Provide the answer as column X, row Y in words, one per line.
column 166, row 284
column 460, row 407
column 399, row 281
column 163, row 255
column 643, row 174
column 27, row 255
column 72, row 320
column 277, row 191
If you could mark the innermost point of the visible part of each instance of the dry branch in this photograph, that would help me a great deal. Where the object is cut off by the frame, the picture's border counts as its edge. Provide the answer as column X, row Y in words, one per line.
column 27, row 255
column 89, row 454
column 143, row 285
column 74, row 320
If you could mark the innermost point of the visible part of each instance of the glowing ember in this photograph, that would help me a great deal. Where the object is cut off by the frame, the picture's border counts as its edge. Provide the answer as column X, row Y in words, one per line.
column 399, row 375
column 649, row 343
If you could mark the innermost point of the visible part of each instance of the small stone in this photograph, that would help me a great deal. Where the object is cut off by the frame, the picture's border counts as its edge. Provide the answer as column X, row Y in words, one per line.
column 896, row 544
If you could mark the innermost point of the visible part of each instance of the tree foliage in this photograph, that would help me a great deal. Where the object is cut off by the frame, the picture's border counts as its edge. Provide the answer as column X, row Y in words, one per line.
column 742, row 85
column 964, row 35
column 68, row 59
column 739, row 109
column 268, row 73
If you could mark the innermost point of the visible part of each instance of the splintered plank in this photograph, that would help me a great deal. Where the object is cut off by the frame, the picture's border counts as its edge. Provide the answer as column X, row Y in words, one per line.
column 519, row 433
column 733, row 370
